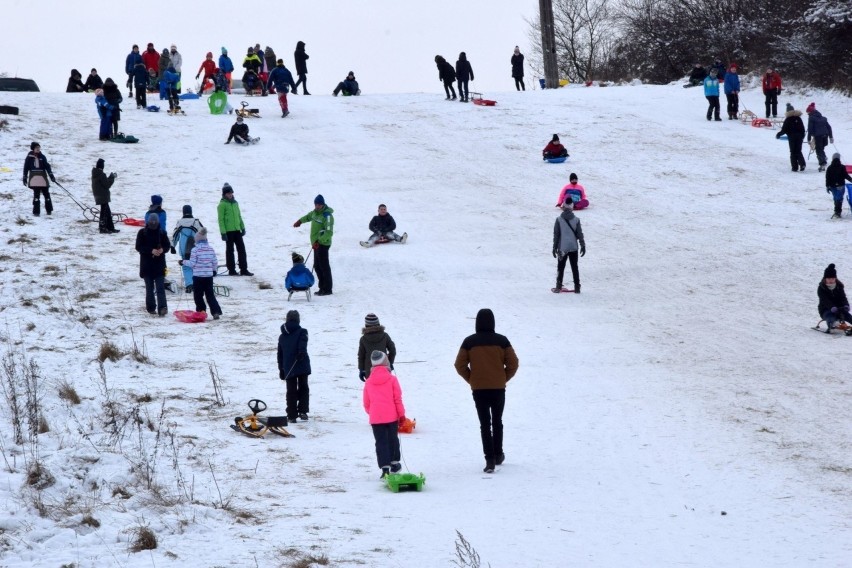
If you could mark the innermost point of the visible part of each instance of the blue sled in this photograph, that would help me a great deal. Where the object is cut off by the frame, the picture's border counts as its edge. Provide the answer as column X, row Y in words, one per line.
column 153, row 108
column 558, row 160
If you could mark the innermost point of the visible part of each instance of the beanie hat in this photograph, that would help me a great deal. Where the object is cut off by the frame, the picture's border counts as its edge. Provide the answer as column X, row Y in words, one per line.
column 100, row 164
column 319, row 200
column 150, row 44
column 830, row 272
column 174, row 47
column 790, row 107
column 153, row 221
column 372, row 320
column 227, row 188
column 156, row 200
column 811, row 108
column 555, row 138
column 201, row 235
column 297, row 258
column 835, row 156
column 224, row 50
column 378, row 358
column 568, row 203
column 187, row 210
column 572, row 177
column 293, row 315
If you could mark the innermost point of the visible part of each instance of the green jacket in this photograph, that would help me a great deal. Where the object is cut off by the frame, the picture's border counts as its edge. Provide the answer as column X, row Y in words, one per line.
column 229, row 216
column 322, row 225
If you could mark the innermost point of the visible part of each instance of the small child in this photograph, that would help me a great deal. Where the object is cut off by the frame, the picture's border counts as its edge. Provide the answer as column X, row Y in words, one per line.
column 835, row 178
column 554, row 149
column 202, row 265
column 373, row 338
column 294, row 366
column 383, row 403
column 240, row 133
column 298, row 277
column 575, row 192
column 383, row 227
column 833, row 304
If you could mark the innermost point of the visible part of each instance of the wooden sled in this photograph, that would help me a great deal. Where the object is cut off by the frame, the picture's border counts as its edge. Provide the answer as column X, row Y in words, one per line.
column 747, row 116
column 246, row 112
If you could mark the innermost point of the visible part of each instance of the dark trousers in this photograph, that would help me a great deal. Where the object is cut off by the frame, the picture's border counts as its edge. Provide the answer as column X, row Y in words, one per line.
column 232, row 239
column 819, row 147
column 141, row 98
column 106, row 126
column 323, row 268
column 48, row 203
column 105, row 223
column 519, row 84
column 489, row 408
column 202, row 287
column 298, row 396
column 713, row 106
column 463, row 92
column 158, row 283
column 733, row 104
column 560, row 269
column 174, row 101
column 772, row 101
column 797, row 159
column 449, row 89
column 303, row 81
column 387, row 443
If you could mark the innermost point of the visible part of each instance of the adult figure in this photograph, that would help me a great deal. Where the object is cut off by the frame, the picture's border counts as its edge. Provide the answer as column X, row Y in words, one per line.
column 322, row 230
column 794, row 128
column 152, row 244
column 447, row 75
column 112, row 94
column 151, row 58
column 568, row 242
column 75, row 83
column 487, row 361
column 771, row 89
column 93, row 81
column 226, row 66
column 101, row 184
column 732, row 92
column 232, row 229
column 819, row 131
column 518, row 69
column 833, row 305
column 301, row 59
column 294, row 366
column 37, row 170
column 130, row 62
column 711, row 93
column 176, row 62
column 464, row 73
column 349, row 86
column 162, row 67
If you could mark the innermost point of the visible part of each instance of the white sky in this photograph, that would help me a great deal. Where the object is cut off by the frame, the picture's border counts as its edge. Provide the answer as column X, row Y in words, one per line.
column 390, row 45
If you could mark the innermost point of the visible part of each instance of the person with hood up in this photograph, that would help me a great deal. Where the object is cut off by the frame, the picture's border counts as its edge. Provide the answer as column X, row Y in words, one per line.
column 226, row 66
column 282, row 80
column 151, row 59
column 447, row 75
column 794, row 128
column 464, row 73
column 732, row 92
column 567, row 242
column 130, row 62
column 101, row 184
column 771, row 89
column 833, row 306
column 156, row 208
column 152, row 244
column 208, row 67
column 301, row 59
column 298, row 277
column 202, row 264
column 349, row 86
column 487, row 362
column 75, row 83
column 373, row 338
column 105, row 114
column 36, row 172
column 322, row 231
column 113, row 96
column 184, row 238
column 140, row 81
column 819, row 134
column 176, row 59
column 835, row 177
column 518, row 69
column 383, row 403
column 93, row 81
column 575, row 192
column 711, row 93
column 383, row 226
column 554, row 149
column 294, row 366
column 233, row 229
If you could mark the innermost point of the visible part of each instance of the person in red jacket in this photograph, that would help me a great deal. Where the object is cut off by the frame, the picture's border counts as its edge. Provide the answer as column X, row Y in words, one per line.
column 554, row 149
column 771, row 88
column 209, row 68
column 151, row 58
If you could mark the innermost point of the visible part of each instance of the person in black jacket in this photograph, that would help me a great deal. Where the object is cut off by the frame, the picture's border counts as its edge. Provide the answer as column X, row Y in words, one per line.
column 75, row 83
column 36, row 171
column 240, row 133
column 301, row 68
column 464, row 73
column 833, row 305
column 794, row 128
column 294, row 366
column 113, row 96
column 152, row 244
column 93, row 81
column 835, row 178
column 383, row 226
column 518, row 69
column 697, row 75
column 101, row 183
column 447, row 74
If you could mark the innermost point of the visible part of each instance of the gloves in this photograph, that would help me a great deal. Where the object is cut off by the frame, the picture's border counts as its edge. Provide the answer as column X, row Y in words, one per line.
column 282, row 375
column 113, row 175
column 830, row 139
column 243, row 233
column 180, row 261
column 834, row 310
column 554, row 253
column 53, row 179
column 224, row 237
column 25, row 183
column 197, row 76
column 777, row 136
column 296, row 224
column 582, row 250
column 172, row 250
column 362, row 375
column 315, row 246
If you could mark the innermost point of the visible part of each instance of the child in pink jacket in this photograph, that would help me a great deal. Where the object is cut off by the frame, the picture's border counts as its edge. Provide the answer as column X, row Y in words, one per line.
column 575, row 192
column 383, row 402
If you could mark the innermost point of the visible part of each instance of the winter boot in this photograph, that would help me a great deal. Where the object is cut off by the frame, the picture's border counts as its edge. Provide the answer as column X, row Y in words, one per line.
column 303, row 416
column 403, row 238
column 489, row 466
column 500, row 458
column 386, row 470
column 395, row 467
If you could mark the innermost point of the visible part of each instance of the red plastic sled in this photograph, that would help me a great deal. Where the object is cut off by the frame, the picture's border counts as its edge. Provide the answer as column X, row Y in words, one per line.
column 478, row 100
column 191, row 316
column 407, row 426
column 758, row 122
column 134, row 222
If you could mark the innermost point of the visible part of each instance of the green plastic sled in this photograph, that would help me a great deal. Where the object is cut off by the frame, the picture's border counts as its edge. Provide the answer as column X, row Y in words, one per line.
column 218, row 102
column 408, row 481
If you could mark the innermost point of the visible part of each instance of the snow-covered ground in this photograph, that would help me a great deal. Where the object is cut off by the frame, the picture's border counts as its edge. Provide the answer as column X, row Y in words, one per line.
column 678, row 412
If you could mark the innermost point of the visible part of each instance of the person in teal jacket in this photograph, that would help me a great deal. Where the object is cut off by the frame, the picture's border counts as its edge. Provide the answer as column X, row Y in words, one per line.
column 322, row 229
column 233, row 230
column 711, row 92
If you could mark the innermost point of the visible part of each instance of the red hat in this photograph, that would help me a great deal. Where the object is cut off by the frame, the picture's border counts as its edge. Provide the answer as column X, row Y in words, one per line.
column 811, row 108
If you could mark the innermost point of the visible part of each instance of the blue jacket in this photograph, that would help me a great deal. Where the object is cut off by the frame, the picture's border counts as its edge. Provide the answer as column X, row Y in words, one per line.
column 298, row 277
column 732, row 83
column 158, row 209
column 293, row 359
column 711, row 87
column 171, row 78
column 225, row 64
column 282, row 79
column 104, row 108
column 818, row 125
column 131, row 61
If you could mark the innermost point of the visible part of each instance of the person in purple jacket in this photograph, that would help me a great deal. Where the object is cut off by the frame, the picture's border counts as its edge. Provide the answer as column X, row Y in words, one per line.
column 203, row 262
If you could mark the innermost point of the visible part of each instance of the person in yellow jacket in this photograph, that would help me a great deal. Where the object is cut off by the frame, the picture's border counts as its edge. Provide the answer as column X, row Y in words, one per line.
column 322, row 230
column 233, row 230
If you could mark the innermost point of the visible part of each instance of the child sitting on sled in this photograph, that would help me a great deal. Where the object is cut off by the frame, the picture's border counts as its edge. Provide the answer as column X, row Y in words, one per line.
column 298, row 277
column 554, row 149
column 575, row 192
column 240, row 133
column 382, row 226
column 383, row 403
column 833, row 305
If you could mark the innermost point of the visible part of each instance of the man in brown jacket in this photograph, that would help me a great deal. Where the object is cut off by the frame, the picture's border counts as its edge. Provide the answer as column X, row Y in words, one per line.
column 487, row 362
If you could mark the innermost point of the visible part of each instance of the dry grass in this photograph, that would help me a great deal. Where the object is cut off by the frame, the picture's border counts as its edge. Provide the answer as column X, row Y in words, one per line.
column 143, row 539
column 264, row 285
column 140, row 398
column 90, row 521
column 38, row 476
column 68, row 392
column 22, row 221
column 88, row 296
column 109, row 350
column 121, row 493
column 23, row 239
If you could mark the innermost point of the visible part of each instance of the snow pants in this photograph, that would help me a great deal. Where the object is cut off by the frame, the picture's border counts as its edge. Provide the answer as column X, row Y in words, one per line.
column 235, row 239
column 560, row 268
column 489, row 408
column 820, row 142
column 282, row 102
column 837, row 193
column 389, row 235
column 772, row 103
column 48, row 203
column 106, row 126
column 797, row 159
column 713, row 106
column 323, row 268
column 298, row 396
column 733, row 105
column 832, row 318
column 387, row 443
column 202, row 287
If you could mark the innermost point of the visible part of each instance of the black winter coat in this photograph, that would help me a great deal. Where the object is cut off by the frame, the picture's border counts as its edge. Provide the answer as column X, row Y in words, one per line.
column 75, row 83
column 374, row 339
column 464, row 71
column 100, row 186
column 518, row 66
column 831, row 298
column 93, row 82
column 382, row 224
column 240, row 130
column 793, row 126
column 293, row 359
column 146, row 241
column 835, row 174
column 113, row 96
column 446, row 73
column 301, row 58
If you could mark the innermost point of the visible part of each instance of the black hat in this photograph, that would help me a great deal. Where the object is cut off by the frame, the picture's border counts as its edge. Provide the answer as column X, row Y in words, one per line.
column 371, row 320
column 572, row 177
column 830, row 272
column 293, row 315
column 100, row 164
column 187, row 210
column 790, row 107
column 555, row 138
column 227, row 188
column 297, row 258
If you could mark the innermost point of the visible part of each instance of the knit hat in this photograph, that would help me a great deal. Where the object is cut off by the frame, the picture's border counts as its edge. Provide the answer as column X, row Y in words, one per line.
column 187, row 210
column 372, row 320
column 572, row 177
column 319, row 200
column 100, row 164
column 227, row 188
column 835, row 156
column 174, row 47
column 830, row 272
column 224, row 51
column 790, row 108
column 201, row 235
column 297, row 258
column 293, row 315
column 378, row 358
column 153, row 221
column 156, row 200
column 568, row 203
column 714, row 71
column 555, row 138
column 150, row 44
column 811, row 108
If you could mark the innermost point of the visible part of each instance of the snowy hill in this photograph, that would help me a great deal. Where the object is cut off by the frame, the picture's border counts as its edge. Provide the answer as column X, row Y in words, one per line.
column 678, row 411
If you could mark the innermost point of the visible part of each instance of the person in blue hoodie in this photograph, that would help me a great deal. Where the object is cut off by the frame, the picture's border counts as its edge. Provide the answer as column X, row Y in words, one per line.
column 105, row 114
column 732, row 92
column 226, row 66
column 711, row 92
column 133, row 58
column 172, row 78
column 156, row 208
column 294, row 366
column 282, row 80
column 299, row 277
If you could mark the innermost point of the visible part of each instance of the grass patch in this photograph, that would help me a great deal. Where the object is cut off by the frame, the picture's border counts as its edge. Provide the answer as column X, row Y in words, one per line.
column 7, row 196
column 90, row 521
column 69, row 393
column 143, row 398
column 143, row 539
column 109, row 350
column 31, row 326
column 23, row 239
column 88, row 296
column 264, row 286
column 22, row 221
column 38, row 476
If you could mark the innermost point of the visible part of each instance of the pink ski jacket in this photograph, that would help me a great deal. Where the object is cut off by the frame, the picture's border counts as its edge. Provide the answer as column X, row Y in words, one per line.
column 383, row 396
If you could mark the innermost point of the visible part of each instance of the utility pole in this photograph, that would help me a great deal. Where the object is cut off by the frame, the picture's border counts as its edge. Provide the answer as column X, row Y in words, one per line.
column 548, row 44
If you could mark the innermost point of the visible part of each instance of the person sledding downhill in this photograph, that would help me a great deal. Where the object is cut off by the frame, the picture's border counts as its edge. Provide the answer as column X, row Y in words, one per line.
column 575, row 192
column 240, row 133
column 833, row 304
column 567, row 242
column 554, row 149
column 382, row 227
column 282, row 81
column 835, row 178
column 299, row 278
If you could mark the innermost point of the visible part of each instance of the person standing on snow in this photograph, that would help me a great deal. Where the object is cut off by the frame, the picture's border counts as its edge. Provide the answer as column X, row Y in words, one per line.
column 711, row 93
column 294, row 366
column 518, row 69
column 383, row 403
column 464, row 73
column 208, row 66
column 140, row 81
column 833, row 306
column 794, row 128
column 732, row 92
column 771, row 90
column 101, row 184
column 151, row 58
column 835, row 178
column 322, row 230
column 105, row 114
column 819, row 134
column 184, row 237
column 36, row 172
column 301, row 59
column 133, row 58
column 282, row 80
column 487, row 362
column 447, row 74
column 373, row 338
column 226, row 66
column 202, row 264
column 163, row 66
column 232, row 229
column 152, row 244
column 567, row 242
column 114, row 98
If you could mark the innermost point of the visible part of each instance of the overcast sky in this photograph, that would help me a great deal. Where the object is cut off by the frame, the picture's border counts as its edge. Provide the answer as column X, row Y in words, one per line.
column 391, row 45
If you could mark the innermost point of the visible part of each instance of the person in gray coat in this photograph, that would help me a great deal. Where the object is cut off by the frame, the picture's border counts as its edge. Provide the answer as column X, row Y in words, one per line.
column 567, row 242
column 100, row 190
